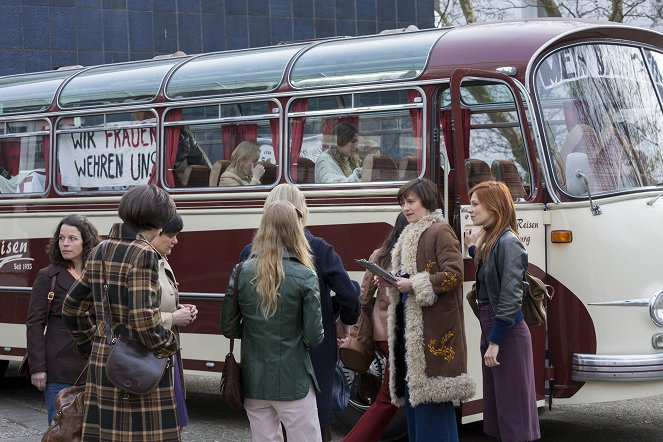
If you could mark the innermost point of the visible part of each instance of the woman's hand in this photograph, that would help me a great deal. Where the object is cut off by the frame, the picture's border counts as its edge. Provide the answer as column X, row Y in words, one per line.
column 342, row 332
column 470, row 236
column 194, row 310
column 490, row 357
column 38, row 379
column 184, row 315
column 404, row 285
column 257, row 171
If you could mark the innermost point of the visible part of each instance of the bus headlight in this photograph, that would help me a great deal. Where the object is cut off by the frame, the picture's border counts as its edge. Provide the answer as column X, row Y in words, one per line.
column 656, row 308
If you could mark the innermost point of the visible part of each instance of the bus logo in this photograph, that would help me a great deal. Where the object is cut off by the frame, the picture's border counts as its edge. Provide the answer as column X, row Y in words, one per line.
column 13, row 251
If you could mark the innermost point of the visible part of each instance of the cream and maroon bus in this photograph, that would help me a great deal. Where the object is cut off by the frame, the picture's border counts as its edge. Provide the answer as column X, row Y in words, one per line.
column 569, row 114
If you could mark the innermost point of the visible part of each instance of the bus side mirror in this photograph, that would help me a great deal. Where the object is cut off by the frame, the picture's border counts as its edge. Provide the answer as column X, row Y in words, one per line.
column 577, row 184
column 577, row 170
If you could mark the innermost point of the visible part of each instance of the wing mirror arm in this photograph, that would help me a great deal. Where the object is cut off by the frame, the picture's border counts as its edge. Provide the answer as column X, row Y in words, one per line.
column 595, row 208
column 577, row 167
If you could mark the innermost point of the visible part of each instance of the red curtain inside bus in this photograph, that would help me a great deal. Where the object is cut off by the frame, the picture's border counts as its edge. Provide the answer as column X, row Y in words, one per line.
column 274, row 131
column 446, row 121
column 297, row 135
column 10, row 155
column 172, row 143
column 233, row 134
column 46, row 139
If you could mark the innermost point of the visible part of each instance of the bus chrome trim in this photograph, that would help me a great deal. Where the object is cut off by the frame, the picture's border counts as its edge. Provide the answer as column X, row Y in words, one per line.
column 10, row 289
column 617, row 368
column 199, row 295
column 86, row 199
column 641, row 302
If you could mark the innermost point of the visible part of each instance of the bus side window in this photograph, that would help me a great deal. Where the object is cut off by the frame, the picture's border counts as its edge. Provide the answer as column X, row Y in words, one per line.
column 496, row 139
column 22, row 159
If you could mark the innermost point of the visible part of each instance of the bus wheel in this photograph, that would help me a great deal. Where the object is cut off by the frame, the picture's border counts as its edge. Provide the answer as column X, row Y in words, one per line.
column 364, row 387
column 3, row 368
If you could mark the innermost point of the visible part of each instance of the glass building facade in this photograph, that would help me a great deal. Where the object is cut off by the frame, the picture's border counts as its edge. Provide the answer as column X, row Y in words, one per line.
column 39, row 35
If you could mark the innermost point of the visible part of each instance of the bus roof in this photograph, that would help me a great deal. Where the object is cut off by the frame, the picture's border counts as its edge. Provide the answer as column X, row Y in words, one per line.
column 30, row 92
column 490, row 46
column 424, row 54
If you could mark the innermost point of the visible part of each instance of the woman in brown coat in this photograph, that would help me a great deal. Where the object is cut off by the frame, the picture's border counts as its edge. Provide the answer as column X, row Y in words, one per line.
column 54, row 361
column 132, row 264
column 426, row 331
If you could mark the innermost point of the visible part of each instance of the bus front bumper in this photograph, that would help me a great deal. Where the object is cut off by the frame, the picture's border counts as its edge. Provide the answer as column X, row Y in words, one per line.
column 618, row 368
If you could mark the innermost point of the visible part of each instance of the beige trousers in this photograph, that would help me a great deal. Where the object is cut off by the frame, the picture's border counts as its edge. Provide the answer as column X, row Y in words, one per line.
column 299, row 417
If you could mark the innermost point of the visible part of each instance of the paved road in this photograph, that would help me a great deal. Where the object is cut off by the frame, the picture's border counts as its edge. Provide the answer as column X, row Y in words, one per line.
column 23, row 417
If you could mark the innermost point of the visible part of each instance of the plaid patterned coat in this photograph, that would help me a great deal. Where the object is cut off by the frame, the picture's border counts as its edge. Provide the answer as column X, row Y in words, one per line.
column 133, row 278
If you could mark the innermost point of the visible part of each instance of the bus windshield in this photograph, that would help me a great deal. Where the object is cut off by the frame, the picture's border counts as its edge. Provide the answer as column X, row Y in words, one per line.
column 600, row 100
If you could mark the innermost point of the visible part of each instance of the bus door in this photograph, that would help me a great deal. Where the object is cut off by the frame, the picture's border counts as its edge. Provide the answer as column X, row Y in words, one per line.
column 492, row 140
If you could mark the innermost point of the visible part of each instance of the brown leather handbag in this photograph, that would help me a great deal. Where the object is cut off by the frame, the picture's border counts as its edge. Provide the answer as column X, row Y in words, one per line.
column 357, row 352
column 67, row 425
column 231, row 377
column 130, row 365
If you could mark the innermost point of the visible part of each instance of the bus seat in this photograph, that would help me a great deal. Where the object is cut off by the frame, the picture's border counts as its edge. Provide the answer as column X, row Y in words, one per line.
column 270, row 173
column 196, row 176
column 407, row 169
column 583, row 139
column 218, row 168
column 305, row 171
column 507, row 172
column 476, row 171
column 379, row 168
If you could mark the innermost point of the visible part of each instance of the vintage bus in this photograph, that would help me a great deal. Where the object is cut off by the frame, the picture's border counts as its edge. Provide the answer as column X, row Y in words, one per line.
column 569, row 114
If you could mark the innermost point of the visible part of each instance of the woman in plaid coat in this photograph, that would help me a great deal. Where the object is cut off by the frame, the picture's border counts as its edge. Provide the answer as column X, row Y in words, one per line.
column 132, row 268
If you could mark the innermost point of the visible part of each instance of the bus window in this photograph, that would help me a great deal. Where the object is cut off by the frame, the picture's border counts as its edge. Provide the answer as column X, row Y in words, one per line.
column 495, row 148
column 384, row 129
column 602, row 103
column 24, row 147
column 200, row 141
column 105, row 152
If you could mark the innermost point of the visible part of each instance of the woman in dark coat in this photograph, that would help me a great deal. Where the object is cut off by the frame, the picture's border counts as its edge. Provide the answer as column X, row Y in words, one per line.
column 132, row 264
column 54, row 360
column 331, row 276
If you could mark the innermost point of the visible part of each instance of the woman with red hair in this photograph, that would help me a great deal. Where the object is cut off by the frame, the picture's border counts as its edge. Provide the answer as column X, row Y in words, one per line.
column 509, row 394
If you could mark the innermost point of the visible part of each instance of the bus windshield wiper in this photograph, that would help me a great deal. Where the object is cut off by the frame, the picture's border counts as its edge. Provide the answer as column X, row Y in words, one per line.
column 655, row 198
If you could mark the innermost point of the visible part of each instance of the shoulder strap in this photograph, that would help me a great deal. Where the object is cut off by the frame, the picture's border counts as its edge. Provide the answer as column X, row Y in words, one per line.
column 235, row 304
column 108, row 320
column 49, row 297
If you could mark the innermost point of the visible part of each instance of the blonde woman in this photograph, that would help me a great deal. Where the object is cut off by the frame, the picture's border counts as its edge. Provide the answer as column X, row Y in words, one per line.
column 243, row 169
column 331, row 276
column 278, row 320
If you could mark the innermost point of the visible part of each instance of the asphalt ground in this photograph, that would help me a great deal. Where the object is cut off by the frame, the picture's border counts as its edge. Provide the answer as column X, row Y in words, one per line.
column 23, row 417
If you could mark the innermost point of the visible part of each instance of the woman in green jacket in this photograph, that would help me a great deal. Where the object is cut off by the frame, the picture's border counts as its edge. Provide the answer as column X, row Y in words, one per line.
column 278, row 320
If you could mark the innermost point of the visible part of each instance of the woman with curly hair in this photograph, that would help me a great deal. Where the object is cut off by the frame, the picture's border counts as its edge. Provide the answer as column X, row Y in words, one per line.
column 54, row 360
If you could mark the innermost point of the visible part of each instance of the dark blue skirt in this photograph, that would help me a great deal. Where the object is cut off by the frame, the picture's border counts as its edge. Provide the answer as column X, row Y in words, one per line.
column 182, row 414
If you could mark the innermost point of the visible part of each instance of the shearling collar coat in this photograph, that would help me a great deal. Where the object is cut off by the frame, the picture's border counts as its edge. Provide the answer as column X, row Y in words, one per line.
column 427, row 331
